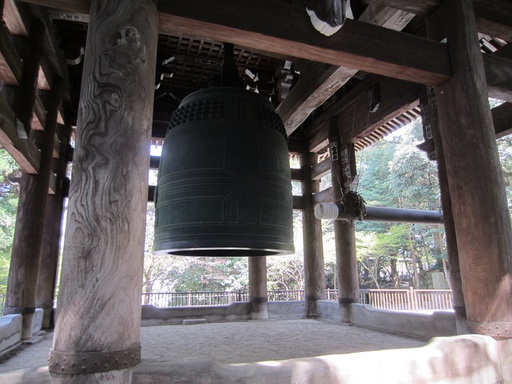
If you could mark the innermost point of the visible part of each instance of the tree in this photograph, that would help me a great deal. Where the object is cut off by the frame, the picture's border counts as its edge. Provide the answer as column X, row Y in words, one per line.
column 9, row 192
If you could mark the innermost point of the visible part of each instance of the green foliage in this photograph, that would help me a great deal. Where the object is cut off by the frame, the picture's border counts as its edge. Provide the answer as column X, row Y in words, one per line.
column 396, row 174
column 9, row 192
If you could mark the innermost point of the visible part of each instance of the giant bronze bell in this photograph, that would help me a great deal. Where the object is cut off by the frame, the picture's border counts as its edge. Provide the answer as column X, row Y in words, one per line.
column 224, row 185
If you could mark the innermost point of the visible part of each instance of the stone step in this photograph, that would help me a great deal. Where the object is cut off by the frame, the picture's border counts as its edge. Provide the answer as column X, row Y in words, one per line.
column 194, row 321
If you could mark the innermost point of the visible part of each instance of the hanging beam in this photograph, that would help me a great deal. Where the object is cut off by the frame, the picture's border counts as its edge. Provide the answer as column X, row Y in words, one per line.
column 320, row 81
column 283, row 29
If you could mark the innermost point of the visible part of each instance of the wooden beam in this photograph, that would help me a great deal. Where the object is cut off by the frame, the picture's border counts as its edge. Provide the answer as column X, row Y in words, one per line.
column 355, row 118
column 10, row 62
column 276, row 27
column 75, row 6
column 475, row 180
column 317, row 83
column 298, row 202
column 15, row 20
column 325, row 196
column 23, row 151
column 320, row 81
column 498, row 72
column 494, row 17
column 502, row 119
column 297, row 174
column 321, row 169
column 396, row 97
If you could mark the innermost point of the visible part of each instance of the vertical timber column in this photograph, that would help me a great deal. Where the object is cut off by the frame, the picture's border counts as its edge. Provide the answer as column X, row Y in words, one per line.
column 20, row 298
column 97, row 335
column 342, row 170
column 314, row 271
column 28, row 237
column 477, row 190
column 431, row 124
column 258, row 287
column 52, row 232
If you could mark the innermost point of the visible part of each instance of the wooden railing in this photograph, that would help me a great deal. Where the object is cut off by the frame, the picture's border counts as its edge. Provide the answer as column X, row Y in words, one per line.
column 390, row 299
column 414, row 300
column 193, row 299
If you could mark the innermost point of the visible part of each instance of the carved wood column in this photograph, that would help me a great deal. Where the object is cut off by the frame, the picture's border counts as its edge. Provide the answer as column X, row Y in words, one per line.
column 482, row 222
column 343, row 171
column 314, row 271
column 258, row 294
column 52, row 232
column 97, row 335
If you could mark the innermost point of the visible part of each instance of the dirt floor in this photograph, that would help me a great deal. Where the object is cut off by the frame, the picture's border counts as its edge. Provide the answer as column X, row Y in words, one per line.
column 238, row 342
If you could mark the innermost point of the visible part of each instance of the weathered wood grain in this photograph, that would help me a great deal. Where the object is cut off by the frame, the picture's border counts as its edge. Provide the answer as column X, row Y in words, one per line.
column 477, row 190
column 99, row 301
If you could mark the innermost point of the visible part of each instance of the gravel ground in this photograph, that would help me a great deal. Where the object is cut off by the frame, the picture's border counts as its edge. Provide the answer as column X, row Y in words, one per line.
column 238, row 342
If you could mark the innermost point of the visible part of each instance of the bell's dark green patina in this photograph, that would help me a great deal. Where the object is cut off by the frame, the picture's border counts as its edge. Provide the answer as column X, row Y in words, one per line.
column 224, row 185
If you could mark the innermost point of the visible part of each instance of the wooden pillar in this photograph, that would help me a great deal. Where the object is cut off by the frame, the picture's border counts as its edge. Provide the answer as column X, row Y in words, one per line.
column 28, row 236
column 52, row 232
column 431, row 126
column 258, row 287
column 314, row 271
column 343, row 170
column 477, row 190
column 97, row 335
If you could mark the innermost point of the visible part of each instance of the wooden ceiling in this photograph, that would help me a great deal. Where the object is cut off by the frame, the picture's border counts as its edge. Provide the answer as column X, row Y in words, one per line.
column 310, row 78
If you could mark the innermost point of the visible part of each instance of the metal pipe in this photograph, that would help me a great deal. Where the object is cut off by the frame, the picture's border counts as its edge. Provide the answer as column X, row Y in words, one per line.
column 331, row 211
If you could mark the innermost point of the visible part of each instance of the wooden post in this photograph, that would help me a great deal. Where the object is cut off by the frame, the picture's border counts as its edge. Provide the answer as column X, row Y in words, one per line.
column 343, row 170
column 258, row 287
column 28, row 236
column 477, row 190
column 52, row 233
column 314, row 271
column 431, row 125
column 97, row 335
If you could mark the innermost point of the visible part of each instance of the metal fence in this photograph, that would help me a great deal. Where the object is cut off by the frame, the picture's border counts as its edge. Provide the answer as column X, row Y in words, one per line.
column 390, row 299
